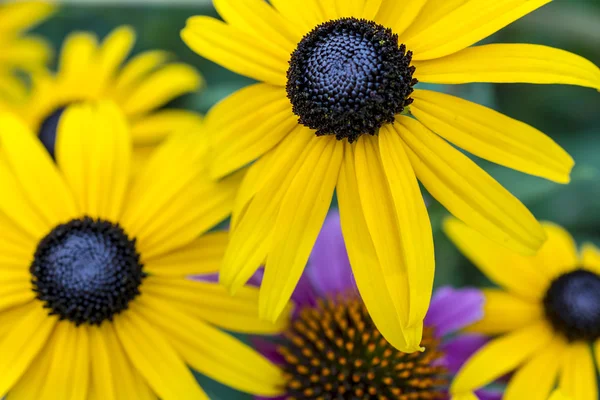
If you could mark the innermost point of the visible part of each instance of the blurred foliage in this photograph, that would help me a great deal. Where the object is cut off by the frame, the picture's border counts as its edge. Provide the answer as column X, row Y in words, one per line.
column 570, row 115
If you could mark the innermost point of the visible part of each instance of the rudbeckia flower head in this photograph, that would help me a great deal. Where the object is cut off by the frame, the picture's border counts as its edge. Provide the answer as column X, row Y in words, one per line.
column 546, row 315
column 93, row 264
column 337, row 109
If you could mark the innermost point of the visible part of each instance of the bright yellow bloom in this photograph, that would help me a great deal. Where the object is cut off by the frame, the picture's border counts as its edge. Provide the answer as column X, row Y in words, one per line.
column 89, row 70
column 19, row 51
column 332, row 67
column 547, row 315
column 95, row 300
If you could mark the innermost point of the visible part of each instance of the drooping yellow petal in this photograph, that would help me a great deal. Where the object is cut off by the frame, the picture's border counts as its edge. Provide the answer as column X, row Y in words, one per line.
column 501, row 356
column 152, row 129
column 492, row 136
column 301, row 215
column 510, row 63
column 467, row 191
column 466, row 25
column 93, row 150
column 578, row 377
column 202, row 256
column 535, row 379
column 370, row 277
column 19, row 16
column 22, row 343
column 504, row 312
column 156, row 359
column 212, row 303
column 590, row 257
column 413, row 225
column 558, row 254
column 226, row 45
column 36, row 172
column 212, row 352
column 503, row 266
column 399, row 15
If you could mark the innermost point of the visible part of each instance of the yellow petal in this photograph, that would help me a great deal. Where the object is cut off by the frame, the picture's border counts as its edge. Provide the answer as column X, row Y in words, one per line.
column 399, row 15
column 304, row 15
column 558, row 395
column 93, row 149
column 558, row 254
column 212, row 303
column 510, row 63
column 156, row 359
column 236, row 51
column 162, row 86
column 29, row 53
column 503, row 266
column 469, row 192
column 202, row 256
column 492, row 136
column 15, row 294
column 464, row 396
column 431, row 12
column 535, row 379
column 76, row 55
column 152, row 129
column 501, row 356
column 212, row 352
column 37, row 174
column 16, row 245
column 114, row 50
column 578, row 378
column 370, row 277
column 590, row 257
column 137, row 69
column 466, row 25
column 504, row 312
column 22, row 343
column 103, row 378
column 413, row 225
column 301, row 215
column 19, row 16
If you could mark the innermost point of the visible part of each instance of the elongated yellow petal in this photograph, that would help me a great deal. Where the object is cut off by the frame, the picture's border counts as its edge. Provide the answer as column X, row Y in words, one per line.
column 510, row 63
column 431, row 12
column 464, row 396
column 95, row 164
column 578, row 378
column 113, row 51
column 413, row 225
column 211, row 302
column 29, row 53
column 467, row 191
column 76, row 55
column 558, row 254
column 304, row 15
column 590, row 257
column 152, row 129
column 15, row 294
column 301, row 215
column 399, row 15
column 22, row 343
column 36, row 172
column 212, row 352
column 103, row 378
column 137, row 69
column 503, row 266
column 558, row 395
column 466, row 25
column 492, row 136
column 535, row 380
column 369, row 274
column 235, row 50
column 156, row 359
column 502, row 355
column 19, row 16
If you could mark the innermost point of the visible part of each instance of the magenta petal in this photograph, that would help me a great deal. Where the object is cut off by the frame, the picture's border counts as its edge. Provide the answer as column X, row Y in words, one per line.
column 329, row 267
column 458, row 350
column 454, row 309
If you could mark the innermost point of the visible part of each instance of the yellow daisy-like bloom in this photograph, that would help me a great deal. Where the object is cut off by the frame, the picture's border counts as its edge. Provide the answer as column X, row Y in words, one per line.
column 332, row 112
column 547, row 313
column 89, row 70
column 95, row 302
column 17, row 50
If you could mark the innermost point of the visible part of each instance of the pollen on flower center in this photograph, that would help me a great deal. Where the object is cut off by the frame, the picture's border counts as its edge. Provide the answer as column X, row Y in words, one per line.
column 349, row 77
column 334, row 351
column 48, row 129
column 86, row 271
column 572, row 305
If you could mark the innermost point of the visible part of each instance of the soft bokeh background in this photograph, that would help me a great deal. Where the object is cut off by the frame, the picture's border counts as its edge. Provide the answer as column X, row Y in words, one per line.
column 570, row 115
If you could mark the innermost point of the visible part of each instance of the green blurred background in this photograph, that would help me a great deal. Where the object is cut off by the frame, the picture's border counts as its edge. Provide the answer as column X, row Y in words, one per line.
column 570, row 115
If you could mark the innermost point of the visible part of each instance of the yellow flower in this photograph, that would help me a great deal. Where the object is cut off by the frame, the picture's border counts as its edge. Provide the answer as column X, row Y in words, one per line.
column 547, row 315
column 89, row 70
column 19, row 51
column 331, row 112
column 95, row 300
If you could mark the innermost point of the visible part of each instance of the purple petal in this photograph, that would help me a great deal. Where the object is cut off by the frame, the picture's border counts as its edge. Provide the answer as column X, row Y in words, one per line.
column 268, row 349
column 329, row 267
column 305, row 294
column 454, row 309
column 211, row 278
column 458, row 350
column 489, row 394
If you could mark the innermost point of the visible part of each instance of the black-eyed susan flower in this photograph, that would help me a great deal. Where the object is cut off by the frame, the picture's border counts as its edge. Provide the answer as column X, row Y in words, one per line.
column 94, row 300
column 332, row 349
column 140, row 86
column 547, row 316
column 19, row 51
column 333, row 111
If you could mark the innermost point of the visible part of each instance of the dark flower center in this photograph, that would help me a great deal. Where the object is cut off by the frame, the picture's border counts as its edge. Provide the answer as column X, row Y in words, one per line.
column 572, row 305
column 334, row 351
column 48, row 130
column 86, row 271
column 349, row 77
